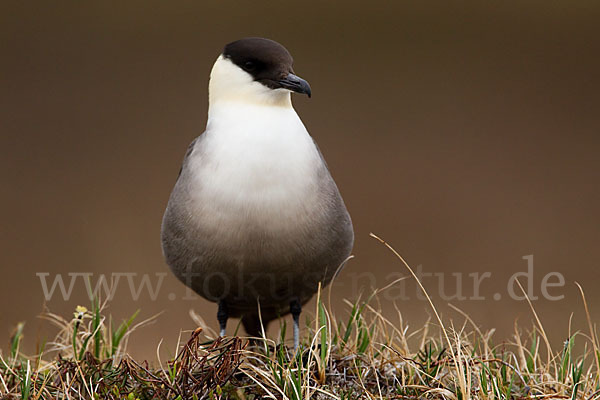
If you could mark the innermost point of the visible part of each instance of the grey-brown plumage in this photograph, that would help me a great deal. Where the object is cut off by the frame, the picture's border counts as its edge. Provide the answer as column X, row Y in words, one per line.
column 255, row 216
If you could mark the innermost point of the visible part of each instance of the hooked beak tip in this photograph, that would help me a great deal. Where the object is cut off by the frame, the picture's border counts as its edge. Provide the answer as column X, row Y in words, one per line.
column 296, row 84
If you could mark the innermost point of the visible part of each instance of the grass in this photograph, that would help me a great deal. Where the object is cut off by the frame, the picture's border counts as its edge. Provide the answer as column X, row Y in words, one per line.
column 362, row 356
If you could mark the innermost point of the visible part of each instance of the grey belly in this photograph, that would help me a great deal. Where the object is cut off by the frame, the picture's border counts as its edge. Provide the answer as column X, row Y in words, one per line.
column 265, row 267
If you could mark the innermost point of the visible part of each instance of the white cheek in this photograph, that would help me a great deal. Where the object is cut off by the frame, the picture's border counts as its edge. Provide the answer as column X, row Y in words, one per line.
column 228, row 82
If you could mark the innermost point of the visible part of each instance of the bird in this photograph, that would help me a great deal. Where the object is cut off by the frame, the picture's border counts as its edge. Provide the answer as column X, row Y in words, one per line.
column 255, row 221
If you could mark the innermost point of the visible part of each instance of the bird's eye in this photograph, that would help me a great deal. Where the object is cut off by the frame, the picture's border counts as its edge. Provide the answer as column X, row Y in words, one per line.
column 249, row 66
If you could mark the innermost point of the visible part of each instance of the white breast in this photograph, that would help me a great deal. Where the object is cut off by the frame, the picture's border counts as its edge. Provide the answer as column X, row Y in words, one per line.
column 256, row 168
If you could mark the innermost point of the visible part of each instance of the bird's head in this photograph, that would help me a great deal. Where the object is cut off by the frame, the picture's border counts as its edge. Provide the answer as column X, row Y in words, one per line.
column 255, row 70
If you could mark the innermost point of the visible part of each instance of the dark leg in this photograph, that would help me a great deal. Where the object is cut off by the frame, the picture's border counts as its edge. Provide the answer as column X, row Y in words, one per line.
column 222, row 316
column 295, row 310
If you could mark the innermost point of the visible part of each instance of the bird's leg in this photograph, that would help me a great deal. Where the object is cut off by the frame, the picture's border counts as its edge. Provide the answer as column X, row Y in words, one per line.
column 295, row 310
column 222, row 316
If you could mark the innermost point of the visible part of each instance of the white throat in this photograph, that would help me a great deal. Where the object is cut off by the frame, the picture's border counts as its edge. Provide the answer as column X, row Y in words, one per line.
column 230, row 83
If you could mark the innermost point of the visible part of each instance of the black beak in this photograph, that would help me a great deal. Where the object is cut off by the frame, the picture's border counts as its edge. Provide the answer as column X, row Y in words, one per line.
column 295, row 84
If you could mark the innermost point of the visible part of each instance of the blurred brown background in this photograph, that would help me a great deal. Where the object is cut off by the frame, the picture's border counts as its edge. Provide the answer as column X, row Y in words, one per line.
column 464, row 133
